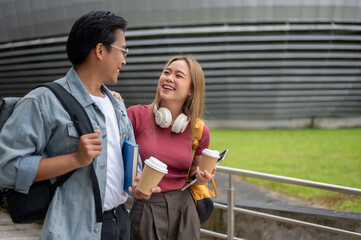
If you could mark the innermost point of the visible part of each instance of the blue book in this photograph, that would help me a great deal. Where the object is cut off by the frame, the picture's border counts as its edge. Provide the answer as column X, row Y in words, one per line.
column 130, row 158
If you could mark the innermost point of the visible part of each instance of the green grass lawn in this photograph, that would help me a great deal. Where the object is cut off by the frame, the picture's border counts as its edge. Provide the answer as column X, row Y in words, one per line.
column 329, row 156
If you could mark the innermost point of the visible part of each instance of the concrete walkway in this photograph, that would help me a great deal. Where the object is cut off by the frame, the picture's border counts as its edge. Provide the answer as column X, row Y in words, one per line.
column 11, row 231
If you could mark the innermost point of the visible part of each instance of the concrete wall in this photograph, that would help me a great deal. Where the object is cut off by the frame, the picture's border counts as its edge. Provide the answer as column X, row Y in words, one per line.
column 256, row 228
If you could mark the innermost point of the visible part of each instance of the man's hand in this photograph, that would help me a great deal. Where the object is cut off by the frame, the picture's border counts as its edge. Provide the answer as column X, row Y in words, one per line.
column 139, row 195
column 89, row 147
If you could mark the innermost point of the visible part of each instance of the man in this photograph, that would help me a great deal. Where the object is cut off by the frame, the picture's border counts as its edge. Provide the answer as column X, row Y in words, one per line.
column 39, row 141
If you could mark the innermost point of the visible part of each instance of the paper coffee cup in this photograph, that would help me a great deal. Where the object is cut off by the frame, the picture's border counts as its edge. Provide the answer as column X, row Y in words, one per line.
column 208, row 160
column 153, row 172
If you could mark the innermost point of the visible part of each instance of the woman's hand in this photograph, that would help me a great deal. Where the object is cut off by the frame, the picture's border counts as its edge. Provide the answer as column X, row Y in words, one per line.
column 139, row 195
column 204, row 178
column 117, row 95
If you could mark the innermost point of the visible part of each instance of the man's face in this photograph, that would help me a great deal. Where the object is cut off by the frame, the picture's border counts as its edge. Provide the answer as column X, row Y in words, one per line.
column 115, row 59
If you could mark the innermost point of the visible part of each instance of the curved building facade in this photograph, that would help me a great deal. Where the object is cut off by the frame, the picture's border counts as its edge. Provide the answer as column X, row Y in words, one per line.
column 267, row 63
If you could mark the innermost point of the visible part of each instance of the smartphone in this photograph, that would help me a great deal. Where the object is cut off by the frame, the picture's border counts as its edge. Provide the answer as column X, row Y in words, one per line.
column 222, row 155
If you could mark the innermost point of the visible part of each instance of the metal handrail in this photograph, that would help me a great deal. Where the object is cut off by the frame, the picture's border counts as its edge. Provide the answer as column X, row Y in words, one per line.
column 230, row 207
column 295, row 181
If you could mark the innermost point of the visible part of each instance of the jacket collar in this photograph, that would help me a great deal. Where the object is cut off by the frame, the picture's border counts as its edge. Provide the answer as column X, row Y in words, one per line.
column 77, row 88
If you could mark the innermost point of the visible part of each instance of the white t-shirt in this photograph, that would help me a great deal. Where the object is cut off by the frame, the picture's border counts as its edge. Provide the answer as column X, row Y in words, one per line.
column 114, row 194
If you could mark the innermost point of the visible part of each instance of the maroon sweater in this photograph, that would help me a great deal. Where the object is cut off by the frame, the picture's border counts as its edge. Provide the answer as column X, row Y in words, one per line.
column 173, row 149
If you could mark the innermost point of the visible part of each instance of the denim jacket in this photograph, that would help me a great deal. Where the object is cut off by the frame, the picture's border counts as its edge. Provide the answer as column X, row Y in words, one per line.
column 41, row 128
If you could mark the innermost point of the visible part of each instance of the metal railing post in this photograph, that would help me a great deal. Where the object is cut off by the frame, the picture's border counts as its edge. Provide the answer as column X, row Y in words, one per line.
column 230, row 210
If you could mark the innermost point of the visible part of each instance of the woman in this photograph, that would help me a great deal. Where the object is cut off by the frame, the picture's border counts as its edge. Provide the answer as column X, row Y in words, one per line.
column 164, row 130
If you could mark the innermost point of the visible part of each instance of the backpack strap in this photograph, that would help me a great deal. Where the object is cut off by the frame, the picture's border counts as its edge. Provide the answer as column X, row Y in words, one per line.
column 198, row 131
column 7, row 106
column 196, row 138
column 83, row 126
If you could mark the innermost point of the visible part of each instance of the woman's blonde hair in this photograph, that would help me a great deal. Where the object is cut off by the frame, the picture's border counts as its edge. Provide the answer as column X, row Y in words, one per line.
column 193, row 105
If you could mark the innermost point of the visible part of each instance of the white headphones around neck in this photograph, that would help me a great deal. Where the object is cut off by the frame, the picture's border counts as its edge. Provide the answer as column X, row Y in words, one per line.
column 163, row 118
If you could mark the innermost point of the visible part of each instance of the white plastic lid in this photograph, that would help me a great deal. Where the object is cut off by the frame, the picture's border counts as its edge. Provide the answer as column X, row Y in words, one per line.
column 157, row 165
column 211, row 153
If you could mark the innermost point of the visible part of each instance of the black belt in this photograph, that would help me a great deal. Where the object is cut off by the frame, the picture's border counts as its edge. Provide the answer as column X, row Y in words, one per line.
column 115, row 211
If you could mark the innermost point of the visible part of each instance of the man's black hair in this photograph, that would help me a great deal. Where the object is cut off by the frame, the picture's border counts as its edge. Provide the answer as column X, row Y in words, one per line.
column 89, row 30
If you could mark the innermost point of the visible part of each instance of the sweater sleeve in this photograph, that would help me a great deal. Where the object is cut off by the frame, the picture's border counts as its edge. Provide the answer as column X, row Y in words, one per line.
column 131, row 115
column 139, row 117
column 134, row 114
column 204, row 142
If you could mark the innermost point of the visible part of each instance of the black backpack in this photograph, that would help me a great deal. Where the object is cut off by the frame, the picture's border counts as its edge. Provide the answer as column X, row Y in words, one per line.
column 32, row 207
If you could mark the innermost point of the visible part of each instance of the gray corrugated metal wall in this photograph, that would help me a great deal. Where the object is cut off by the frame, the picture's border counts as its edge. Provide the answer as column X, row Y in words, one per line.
column 30, row 19
column 253, row 71
column 257, row 71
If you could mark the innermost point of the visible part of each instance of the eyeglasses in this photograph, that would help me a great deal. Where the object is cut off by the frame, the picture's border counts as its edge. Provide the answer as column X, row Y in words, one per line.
column 124, row 51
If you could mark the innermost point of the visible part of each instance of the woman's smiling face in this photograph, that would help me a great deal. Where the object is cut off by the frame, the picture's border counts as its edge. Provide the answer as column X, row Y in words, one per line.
column 175, row 82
